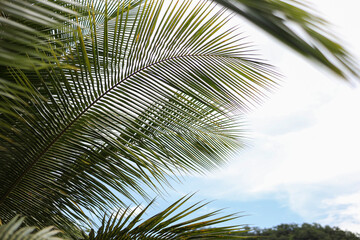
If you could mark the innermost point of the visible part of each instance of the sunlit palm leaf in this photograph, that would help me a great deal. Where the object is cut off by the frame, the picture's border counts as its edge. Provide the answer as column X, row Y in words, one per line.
column 143, row 80
column 283, row 19
column 171, row 223
column 14, row 231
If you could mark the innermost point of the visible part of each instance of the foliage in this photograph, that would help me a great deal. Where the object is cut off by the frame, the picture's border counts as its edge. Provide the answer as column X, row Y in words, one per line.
column 171, row 223
column 304, row 232
column 102, row 100
column 13, row 231
column 153, row 91
column 166, row 225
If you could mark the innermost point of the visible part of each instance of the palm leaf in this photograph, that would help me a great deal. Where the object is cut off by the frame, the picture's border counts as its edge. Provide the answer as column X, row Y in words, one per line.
column 171, row 223
column 284, row 18
column 28, row 39
column 35, row 33
column 152, row 93
column 14, row 231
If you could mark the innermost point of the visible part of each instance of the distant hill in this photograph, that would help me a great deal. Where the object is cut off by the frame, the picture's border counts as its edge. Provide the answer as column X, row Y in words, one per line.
column 301, row 232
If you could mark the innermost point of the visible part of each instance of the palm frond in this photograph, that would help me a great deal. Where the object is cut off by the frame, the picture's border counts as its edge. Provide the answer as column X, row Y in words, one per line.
column 35, row 33
column 284, row 18
column 153, row 91
column 14, row 231
column 28, row 39
column 172, row 223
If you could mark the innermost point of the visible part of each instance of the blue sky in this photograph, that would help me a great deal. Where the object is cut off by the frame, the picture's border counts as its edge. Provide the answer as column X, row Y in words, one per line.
column 302, row 164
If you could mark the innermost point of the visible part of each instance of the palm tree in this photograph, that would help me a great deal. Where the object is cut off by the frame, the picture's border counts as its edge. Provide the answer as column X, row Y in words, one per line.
column 101, row 100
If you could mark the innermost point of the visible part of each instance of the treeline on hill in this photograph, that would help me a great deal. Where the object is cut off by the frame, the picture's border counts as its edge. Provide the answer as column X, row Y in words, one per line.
column 304, row 232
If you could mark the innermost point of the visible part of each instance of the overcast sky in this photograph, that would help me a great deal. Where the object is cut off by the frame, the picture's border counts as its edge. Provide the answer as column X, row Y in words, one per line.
column 303, row 164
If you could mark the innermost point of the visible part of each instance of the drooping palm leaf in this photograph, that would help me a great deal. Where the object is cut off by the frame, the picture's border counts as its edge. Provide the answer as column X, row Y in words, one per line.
column 284, row 18
column 172, row 223
column 13, row 231
column 152, row 93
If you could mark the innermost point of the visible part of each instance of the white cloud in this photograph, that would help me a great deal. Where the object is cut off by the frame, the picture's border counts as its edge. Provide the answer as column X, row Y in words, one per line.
column 344, row 210
column 303, row 157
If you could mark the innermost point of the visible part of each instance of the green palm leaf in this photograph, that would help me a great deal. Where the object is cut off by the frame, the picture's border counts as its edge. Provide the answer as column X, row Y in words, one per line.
column 284, row 18
column 102, row 98
column 28, row 39
column 171, row 223
column 152, row 93
column 34, row 33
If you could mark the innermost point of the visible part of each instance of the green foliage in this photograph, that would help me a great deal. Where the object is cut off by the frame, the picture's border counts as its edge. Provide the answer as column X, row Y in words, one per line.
column 153, row 91
column 304, row 232
column 28, row 37
column 166, row 224
column 100, row 100
column 174, row 222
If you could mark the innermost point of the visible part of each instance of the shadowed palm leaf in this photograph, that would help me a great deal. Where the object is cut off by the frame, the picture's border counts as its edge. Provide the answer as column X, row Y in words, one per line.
column 152, row 92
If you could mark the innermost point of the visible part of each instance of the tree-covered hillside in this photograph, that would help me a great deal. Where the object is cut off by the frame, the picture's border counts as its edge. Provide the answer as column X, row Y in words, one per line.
column 304, row 232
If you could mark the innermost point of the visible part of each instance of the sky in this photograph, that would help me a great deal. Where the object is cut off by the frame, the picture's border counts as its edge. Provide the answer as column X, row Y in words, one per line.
column 302, row 163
